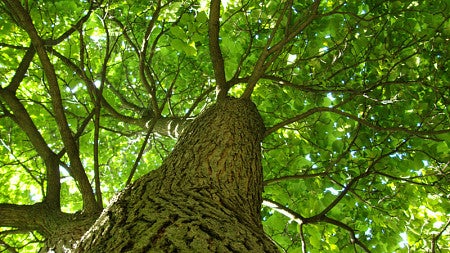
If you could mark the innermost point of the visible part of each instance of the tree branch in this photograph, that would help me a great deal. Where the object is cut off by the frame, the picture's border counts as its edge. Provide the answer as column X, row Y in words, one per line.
column 300, row 220
column 355, row 118
column 342, row 194
column 293, row 216
column 168, row 126
column 51, row 160
column 24, row 217
column 294, row 177
column 350, row 230
column 97, row 117
column 348, row 187
column 262, row 64
column 141, row 151
column 21, row 70
column 150, row 86
column 8, row 247
column 214, row 49
column 77, row 170
column 436, row 237
column 73, row 28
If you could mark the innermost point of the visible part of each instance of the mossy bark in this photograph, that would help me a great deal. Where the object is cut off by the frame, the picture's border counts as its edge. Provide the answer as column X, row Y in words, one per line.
column 206, row 197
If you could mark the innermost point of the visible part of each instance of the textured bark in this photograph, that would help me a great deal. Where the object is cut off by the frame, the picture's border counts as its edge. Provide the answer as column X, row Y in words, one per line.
column 61, row 230
column 65, row 230
column 206, row 197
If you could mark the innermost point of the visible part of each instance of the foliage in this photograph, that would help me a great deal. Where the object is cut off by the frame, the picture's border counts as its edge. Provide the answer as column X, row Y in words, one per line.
column 354, row 96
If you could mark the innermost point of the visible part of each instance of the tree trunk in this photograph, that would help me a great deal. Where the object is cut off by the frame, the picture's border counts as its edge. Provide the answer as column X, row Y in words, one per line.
column 206, row 197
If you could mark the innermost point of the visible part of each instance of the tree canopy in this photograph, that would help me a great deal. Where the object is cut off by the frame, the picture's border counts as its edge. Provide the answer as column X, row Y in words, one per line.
column 354, row 96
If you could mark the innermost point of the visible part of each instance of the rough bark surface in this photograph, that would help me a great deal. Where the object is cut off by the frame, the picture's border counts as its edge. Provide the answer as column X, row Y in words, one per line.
column 206, row 197
column 61, row 230
column 65, row 231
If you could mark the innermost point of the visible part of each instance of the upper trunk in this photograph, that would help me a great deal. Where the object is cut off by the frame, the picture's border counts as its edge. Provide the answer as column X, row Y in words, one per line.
column 205, row 197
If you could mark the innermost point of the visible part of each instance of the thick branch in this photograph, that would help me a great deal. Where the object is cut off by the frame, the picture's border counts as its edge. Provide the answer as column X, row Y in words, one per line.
column 214, row 49
column 77, row 170
column 24, row 217
column 51, row 160
column 21, row 70
column 61, row 230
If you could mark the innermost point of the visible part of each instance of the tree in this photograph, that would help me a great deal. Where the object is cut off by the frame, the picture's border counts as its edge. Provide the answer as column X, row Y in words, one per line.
column 325, row 123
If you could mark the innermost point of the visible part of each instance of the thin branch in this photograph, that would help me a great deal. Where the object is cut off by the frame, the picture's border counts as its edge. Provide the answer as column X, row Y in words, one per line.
column 141, row 151
column 300, row 220
column 151, row 126
column 409, row 179
column 354, row 180
column 125, row 34
column 293, row 216
column 125, row 103
column 13, row 46
column 351, row 231
column 150, row 86
column 436, row 237
column 90, row 85
column 355, row 118
column 294, row 177
column 22, row 164
column 8, row 247
column 167, row 126
column 342, row 194
column 97, row 117
column 262, row 64
column 79, row 131
column 197, row 101
column 73, row 28
column 302, row 238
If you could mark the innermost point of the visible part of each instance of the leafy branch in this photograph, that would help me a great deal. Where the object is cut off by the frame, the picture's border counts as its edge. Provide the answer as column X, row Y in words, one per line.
column 355, row 118
column 263, row 63
column 323, row 215
column 302, row 221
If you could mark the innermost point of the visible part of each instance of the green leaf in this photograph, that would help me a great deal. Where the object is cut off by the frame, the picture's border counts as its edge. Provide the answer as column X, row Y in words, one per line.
column 338, row 146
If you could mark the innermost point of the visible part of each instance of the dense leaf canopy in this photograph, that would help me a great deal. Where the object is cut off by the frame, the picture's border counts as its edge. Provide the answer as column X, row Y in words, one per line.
column 354, row 94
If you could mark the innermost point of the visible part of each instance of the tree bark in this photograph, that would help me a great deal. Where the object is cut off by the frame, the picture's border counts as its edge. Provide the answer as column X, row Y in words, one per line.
column 206, row 197
column 61, row 230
